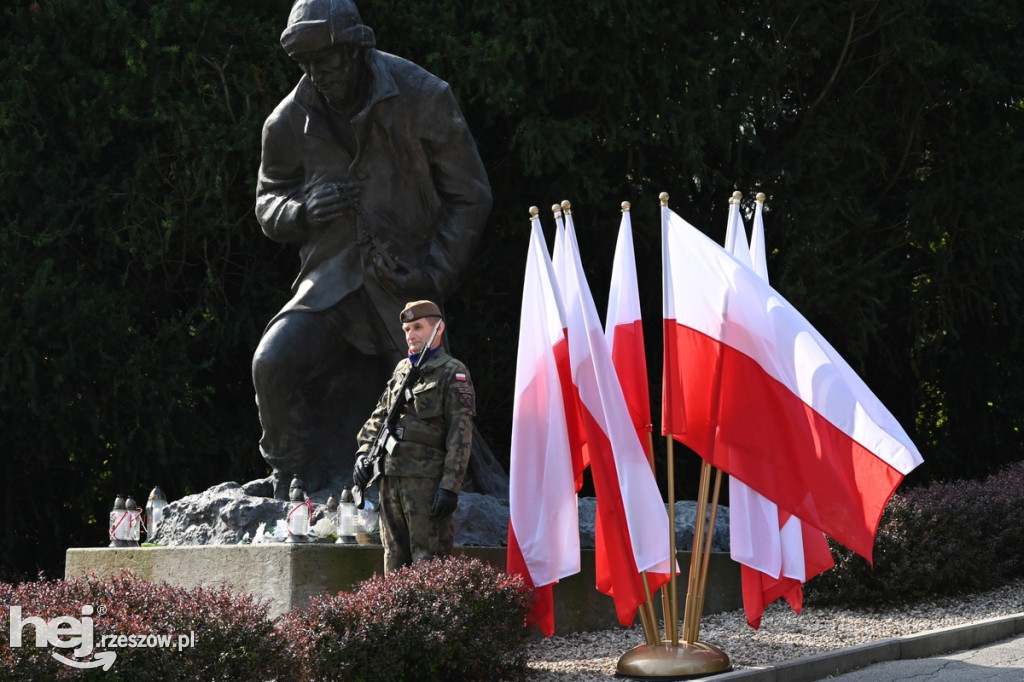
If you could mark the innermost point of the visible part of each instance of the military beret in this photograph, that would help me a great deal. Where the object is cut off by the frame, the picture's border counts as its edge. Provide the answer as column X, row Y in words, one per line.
column 414, row 310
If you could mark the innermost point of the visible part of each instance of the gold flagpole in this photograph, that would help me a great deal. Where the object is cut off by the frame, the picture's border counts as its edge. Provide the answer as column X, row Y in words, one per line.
column 670, row 596
column 696, row 553
column 666, row 590
column 702, row 580
column 670, row 599
column 647, row 618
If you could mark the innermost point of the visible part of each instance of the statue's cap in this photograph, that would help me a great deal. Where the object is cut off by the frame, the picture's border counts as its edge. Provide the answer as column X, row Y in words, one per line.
column 315, row 25
column 415, row 310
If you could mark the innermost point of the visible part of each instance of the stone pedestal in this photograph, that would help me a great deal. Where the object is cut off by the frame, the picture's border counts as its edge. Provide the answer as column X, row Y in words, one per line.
column 289, row 574
column 286, row 574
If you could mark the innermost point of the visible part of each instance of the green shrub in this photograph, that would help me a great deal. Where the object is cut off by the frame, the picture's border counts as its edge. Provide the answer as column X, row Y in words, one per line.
column 941, row 539
column 234, row 639
column 446, row 619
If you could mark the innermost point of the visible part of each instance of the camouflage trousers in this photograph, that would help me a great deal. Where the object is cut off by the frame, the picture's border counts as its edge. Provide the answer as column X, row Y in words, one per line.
column 408, row 531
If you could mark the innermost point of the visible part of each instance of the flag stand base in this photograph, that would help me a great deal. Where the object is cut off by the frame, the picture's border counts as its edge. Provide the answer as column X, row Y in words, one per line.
column 667, row 662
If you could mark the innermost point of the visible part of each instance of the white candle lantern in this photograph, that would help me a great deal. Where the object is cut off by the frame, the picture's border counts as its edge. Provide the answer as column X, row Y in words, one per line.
column 300, row 513
column 118, row 528
column 348, row 518
column 134, row 522
column 155, row 511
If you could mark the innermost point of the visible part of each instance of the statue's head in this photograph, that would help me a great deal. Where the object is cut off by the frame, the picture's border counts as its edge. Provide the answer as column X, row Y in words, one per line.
column 328, row 39
column 316, row 25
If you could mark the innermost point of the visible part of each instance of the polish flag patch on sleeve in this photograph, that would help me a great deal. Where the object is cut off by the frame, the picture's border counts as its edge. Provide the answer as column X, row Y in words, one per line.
column 459, row 376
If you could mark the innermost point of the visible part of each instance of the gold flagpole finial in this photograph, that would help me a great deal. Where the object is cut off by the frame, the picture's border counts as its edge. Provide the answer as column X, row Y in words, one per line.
column 760, row 197
column 534, row 213
column 556, row 209
column 664, row 198
column 566, row 206
column 625, row 206
column 736, row 197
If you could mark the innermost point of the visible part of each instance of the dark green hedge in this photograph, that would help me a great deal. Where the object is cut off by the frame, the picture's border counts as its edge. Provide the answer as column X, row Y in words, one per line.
column 445, row 619
column 940, row 539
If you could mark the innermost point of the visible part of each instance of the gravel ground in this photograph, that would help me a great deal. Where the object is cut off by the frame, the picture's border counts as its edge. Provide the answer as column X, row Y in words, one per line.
column 783, row 635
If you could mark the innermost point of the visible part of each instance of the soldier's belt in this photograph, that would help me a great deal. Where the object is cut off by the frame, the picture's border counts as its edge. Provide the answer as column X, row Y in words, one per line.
column 424, row 435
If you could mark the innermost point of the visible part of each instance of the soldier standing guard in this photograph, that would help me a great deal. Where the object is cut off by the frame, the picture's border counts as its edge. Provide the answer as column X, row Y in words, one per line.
column 427, row 459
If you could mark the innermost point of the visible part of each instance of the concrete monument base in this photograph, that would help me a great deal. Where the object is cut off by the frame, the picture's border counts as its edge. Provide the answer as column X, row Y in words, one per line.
column 287, row 574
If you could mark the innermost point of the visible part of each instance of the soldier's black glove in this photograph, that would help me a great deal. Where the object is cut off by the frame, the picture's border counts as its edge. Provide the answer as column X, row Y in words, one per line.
column 361, row 472
column 445, row 503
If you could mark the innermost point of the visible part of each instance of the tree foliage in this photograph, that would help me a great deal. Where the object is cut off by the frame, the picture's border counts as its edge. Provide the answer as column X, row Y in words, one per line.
column 134, row 280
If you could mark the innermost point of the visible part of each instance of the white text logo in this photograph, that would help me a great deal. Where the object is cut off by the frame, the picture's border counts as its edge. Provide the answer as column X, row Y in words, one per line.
column 77, row 634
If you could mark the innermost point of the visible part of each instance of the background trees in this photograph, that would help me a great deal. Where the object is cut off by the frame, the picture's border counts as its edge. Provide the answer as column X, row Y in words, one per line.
column 134, row 280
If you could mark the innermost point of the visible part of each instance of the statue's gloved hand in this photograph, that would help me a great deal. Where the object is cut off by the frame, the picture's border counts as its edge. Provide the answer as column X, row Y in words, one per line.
column 445, row 504
column 362, row 472
column 328, row 201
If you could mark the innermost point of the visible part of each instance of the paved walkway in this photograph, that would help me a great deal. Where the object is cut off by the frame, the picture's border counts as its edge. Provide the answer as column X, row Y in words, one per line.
column 1000, row 662
column 991, row 650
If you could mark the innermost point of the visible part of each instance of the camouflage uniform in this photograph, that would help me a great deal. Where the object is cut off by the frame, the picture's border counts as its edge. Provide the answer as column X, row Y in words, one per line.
column 435, row 436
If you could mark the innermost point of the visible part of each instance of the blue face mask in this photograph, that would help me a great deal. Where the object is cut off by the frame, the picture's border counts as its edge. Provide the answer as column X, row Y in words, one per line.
column 415, row 357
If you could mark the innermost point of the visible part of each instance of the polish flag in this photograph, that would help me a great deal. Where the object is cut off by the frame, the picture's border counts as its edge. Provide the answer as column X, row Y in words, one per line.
column 768, row 400
column 805, row 554
column 758, row 255
column 631, row 534
column 558, row 250
column 736, row 235
column 776, row 551
column 623, row 328
column 574, row 420
column 543, row 534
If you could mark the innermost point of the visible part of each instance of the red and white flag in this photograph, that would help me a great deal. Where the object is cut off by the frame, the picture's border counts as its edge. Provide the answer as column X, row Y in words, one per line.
column 805, row 554
column 758, row 252
column 623, row 327
column 777, row 553
column 577, row 434
column 543, row 534
column 768, row 400
column 631, row 534
column 558, row 249
column 736, row 236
